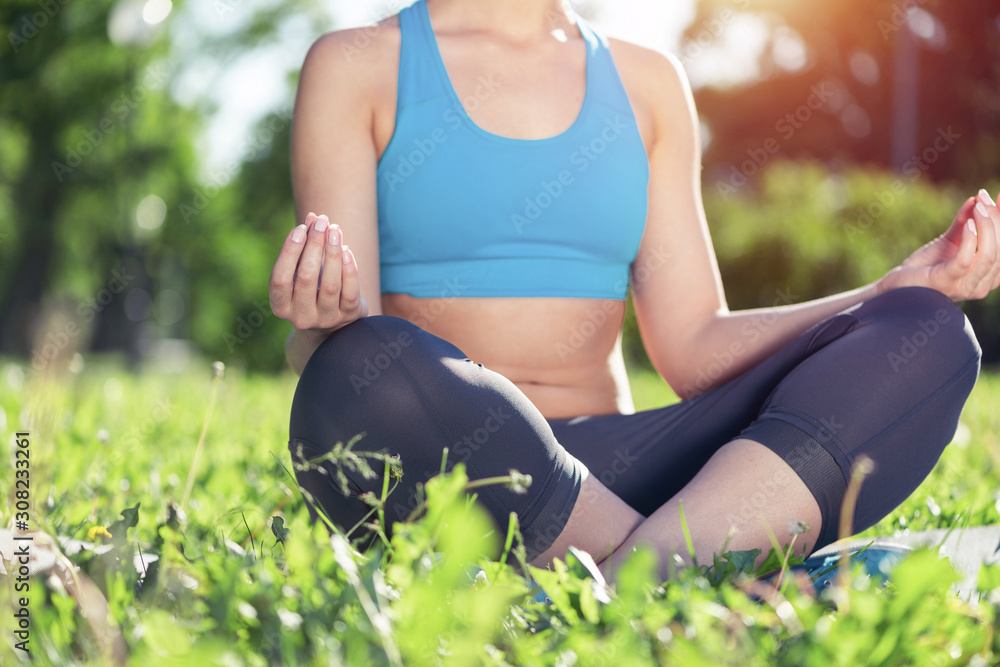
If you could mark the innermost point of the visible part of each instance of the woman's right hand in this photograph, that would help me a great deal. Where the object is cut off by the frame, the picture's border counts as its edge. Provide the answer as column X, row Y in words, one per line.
column 314, row 283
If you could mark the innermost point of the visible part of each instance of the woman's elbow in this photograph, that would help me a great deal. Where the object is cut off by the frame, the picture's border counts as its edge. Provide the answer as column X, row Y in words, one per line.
column 688, row 380
column 292, row 356
column 674, row 375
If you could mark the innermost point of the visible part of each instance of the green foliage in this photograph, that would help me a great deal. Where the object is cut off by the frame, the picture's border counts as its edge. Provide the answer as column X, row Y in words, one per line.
column 239, row 576
column 809, row 232
column 90, row 129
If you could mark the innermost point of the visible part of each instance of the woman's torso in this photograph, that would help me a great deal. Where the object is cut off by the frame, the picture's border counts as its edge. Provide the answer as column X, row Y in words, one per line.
column 563, row 353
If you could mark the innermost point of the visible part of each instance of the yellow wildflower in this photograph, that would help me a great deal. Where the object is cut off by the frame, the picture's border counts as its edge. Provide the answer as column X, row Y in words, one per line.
column 97, row 530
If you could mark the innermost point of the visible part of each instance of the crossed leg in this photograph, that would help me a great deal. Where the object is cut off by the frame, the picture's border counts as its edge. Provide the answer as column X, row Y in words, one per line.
column 606, row 527
column 886, row 379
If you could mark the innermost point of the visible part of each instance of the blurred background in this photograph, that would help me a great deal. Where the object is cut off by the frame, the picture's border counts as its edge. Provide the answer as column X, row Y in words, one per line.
column 144, row 168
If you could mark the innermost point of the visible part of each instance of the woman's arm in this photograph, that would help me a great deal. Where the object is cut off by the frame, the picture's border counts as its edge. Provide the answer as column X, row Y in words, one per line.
column 333, row 160
column 692, row 338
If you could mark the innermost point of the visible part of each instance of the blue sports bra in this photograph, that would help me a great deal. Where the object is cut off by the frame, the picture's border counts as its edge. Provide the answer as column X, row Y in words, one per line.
column 464, row 212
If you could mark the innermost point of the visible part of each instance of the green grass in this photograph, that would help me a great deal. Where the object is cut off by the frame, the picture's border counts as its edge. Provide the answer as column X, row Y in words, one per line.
column 225, row 590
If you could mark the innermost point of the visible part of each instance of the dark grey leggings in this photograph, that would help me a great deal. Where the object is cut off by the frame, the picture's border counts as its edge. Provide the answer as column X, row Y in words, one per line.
column 887, row 379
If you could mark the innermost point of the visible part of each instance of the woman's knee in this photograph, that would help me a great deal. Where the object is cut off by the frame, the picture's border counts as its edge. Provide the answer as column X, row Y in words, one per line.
column 366, row 346
column 917, row 302
column 364, row 375
column 925, row 323
column 364, row 354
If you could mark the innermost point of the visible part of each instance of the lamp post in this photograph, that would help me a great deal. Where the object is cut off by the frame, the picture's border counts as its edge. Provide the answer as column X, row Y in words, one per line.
column 905, row 99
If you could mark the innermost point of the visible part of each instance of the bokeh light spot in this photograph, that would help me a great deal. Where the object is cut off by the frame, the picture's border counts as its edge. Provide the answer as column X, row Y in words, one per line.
column 156, row 10
column 865, row 68
column 76, row 364
column 856, row 121
column 924, row 25
column 113, row 389
column 151, row 212
column 788, row 49
column 14, row 377
column 168, row 307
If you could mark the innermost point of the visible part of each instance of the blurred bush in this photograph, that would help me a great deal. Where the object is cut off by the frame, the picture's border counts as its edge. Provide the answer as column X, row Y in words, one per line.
column 805, row 232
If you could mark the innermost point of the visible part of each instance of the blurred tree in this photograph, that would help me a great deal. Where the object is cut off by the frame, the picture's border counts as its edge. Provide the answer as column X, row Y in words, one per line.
column 87, row 131
column 912, row 85
column 231, row 237
column 103, row 214
column 226, row 230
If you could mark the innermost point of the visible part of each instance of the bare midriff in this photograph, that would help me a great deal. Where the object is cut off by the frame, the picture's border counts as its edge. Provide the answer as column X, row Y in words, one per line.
column 563, row 354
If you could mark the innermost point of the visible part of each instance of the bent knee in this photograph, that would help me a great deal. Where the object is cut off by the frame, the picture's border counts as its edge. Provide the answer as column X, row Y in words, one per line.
column 367, row 337
column 385, row 377
column 370, row 350
column 920, row 302
column 362, row 373
column 925, row 319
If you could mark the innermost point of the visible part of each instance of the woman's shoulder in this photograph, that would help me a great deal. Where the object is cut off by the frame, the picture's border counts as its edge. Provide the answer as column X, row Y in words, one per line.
column 365, row 56
column 648, row 68
column 657, row 87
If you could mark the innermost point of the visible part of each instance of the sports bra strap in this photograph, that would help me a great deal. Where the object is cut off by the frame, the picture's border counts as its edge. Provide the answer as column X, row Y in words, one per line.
column 419, row 77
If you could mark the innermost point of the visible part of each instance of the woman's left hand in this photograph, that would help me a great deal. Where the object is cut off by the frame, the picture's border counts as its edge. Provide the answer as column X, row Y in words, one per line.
column 964, row 262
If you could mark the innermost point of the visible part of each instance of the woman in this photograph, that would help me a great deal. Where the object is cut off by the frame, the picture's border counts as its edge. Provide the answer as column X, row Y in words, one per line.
column 502, row 174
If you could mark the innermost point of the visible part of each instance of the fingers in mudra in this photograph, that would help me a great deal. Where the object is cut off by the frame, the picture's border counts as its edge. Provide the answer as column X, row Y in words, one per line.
column 974, row 271
column 986, row 271
column 351, row 303
column 328, row 296
column 314, row 283
column 964, row 262
column 284, row 273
